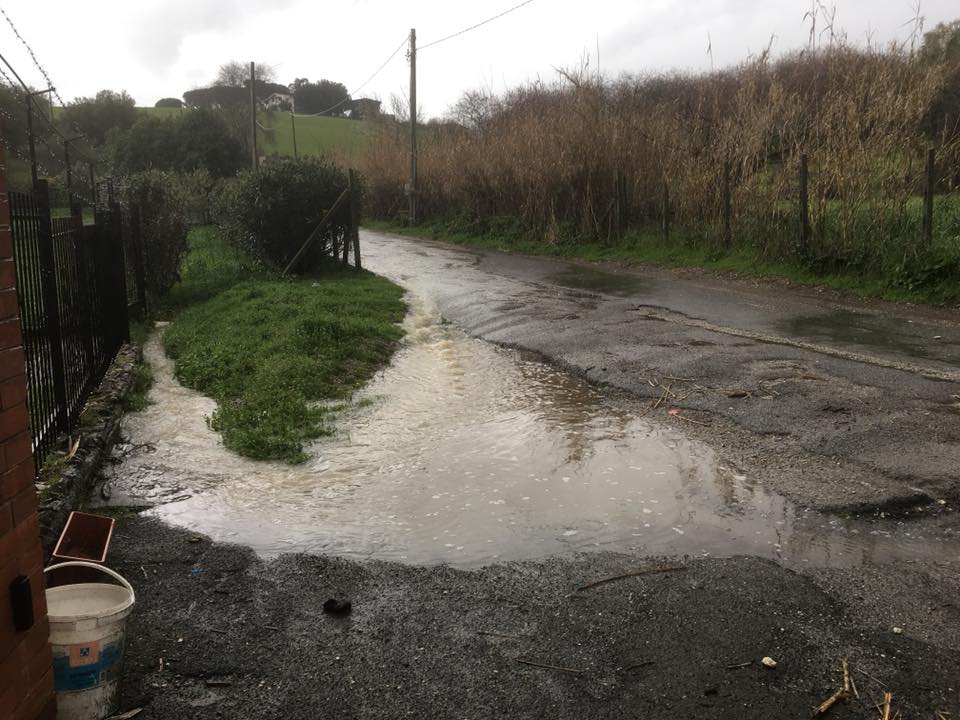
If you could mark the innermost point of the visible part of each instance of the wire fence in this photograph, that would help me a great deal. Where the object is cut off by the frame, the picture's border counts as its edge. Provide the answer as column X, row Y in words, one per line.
column 77, row 284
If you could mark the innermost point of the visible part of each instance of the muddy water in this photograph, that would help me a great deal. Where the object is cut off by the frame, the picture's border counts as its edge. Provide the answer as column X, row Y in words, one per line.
column 464, row 453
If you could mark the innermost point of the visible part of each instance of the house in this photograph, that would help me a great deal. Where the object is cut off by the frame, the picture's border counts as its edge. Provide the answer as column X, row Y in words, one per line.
column 364, row 108
column 279, row 101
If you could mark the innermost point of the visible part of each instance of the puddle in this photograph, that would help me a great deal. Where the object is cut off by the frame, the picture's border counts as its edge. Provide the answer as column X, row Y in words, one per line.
column 585, row 278
column 467, row 454
column 850, row 328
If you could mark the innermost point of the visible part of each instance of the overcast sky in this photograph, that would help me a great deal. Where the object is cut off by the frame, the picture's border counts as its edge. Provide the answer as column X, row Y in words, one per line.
column 158, row 48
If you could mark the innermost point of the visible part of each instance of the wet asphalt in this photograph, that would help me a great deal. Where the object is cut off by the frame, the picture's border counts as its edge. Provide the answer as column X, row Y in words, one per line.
column 844, row 424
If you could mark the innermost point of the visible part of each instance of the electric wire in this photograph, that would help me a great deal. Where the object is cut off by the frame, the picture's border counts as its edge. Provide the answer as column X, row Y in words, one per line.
column 474, row 27
column 363, row 85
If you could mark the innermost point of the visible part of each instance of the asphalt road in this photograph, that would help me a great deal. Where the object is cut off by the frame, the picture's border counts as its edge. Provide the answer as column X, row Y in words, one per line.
column 847, row 407
column 840, row 405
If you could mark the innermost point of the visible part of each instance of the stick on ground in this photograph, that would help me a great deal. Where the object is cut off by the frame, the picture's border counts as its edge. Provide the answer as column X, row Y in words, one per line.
column 532, row 663
column 635, row 573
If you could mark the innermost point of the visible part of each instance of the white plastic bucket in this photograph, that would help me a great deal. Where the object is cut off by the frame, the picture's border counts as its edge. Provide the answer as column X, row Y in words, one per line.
column 88, row 623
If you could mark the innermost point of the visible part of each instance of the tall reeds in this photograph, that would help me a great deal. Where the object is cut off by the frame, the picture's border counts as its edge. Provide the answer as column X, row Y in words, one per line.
column 552, row 156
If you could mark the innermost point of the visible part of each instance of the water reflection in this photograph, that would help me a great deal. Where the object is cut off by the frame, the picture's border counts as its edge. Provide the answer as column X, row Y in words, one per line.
column 469, row 454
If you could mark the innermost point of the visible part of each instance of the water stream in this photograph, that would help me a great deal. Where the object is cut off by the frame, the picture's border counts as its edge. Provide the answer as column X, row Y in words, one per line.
column 465, row 453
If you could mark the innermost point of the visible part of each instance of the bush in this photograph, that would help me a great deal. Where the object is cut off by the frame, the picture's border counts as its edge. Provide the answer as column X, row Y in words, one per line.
column 271, row 212
column 163, row 226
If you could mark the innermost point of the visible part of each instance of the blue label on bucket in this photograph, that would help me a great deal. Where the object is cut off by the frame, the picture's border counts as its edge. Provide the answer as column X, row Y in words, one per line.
column 86, row 665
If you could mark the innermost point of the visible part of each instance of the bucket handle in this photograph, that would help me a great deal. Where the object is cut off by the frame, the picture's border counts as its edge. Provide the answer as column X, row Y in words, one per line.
column 79, row 563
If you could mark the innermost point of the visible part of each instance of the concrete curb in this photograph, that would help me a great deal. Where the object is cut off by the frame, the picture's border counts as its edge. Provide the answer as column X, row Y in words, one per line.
column 98, row 432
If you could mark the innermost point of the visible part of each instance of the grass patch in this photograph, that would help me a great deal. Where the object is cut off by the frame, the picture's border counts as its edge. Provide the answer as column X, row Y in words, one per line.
column 136, row 399
column 277, row 354
column 646, row 247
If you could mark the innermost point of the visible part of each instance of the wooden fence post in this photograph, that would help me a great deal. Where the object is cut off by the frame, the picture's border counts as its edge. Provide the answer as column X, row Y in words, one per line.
column 928, row 191
column 355, row 218
column 51, row 304
column 804, row 207
column 665, row 213
column 725, row 192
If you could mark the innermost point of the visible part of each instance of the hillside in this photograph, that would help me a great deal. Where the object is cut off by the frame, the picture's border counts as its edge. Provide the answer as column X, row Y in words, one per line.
column 315, row 135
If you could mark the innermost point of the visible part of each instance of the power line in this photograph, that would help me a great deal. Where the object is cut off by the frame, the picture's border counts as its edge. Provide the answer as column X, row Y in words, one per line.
column 474, row 27
column 365, row 82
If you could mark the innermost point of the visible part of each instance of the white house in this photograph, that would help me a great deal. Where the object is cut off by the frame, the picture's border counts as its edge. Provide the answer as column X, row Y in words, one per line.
column 279, row 101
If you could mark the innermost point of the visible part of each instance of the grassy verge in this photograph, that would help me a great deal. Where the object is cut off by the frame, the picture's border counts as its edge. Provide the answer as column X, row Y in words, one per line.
column 279, row 356
column 645, row 247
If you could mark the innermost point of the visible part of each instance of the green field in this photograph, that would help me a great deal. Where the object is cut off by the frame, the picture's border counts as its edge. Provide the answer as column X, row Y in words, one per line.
column 315, row 135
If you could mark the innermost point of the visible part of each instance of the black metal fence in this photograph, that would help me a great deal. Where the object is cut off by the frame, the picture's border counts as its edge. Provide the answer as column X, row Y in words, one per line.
column 76, row 283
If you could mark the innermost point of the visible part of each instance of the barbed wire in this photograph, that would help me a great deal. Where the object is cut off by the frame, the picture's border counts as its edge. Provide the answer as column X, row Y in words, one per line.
column 50, row 85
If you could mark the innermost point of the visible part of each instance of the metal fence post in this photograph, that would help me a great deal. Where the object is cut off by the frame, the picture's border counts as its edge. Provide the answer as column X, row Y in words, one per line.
column 136, row 241
column 122, row 321
column 51, row 306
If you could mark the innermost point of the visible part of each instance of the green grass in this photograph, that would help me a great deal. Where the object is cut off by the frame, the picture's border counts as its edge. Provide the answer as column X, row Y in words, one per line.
column 280, row 356
column 315, row 135
column 646, row 247
column 136, row 399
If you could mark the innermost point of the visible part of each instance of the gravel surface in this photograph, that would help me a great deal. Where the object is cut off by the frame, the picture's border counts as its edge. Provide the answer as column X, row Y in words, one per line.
column 241, row 638
column 842, row 426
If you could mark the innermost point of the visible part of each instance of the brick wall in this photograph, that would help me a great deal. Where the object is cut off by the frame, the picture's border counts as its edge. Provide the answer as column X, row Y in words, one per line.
column 26, row 679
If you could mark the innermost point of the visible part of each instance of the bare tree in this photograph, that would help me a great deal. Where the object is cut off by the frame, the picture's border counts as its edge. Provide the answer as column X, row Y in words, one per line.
column 237, row 74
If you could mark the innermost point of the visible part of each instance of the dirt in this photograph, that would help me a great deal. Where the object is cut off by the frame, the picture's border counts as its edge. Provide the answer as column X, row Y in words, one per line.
column 835, row 424
column 241, row 638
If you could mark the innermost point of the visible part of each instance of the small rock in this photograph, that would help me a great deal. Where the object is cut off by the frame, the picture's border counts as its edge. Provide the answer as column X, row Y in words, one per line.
column 337, row 607
column 898, row 631
column 769, row 662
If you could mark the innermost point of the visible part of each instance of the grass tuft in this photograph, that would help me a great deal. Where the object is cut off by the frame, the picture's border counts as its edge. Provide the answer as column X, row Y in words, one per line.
column 274, row 351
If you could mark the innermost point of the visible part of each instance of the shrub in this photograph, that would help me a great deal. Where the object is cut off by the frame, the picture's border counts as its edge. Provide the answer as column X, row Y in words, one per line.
column 271, row 212
column 163, row 226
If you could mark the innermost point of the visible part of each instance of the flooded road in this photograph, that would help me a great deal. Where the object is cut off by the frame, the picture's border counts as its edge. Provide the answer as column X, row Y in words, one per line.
column 465, row 453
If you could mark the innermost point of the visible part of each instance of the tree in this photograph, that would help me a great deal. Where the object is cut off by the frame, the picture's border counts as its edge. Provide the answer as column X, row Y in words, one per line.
column 237, row 74
column 326, row 97
column 95, row 116
column 199, row 139
column 169, row 103
column 942, row 44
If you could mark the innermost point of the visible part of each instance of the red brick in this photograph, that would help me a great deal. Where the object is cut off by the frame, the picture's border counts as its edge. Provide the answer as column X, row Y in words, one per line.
column 6, row 244
column 6, row 518
column 8, row 274
column 28, row 541
column 13, row 421
column 17, row 449
column 13, row 391
column 24, row 504
column 8, row 304
column 16, row 479
column 36, row 701
column 10, row 333
column 12, row 363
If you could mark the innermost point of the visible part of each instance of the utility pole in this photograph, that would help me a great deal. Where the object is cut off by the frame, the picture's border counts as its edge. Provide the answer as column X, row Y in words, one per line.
column 293, row 124
column 33, row 147
column 412, row 189
column 255, row 160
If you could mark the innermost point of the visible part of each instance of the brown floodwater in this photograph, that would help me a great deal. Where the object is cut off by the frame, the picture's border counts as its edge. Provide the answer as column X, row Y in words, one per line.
column 465, row 453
